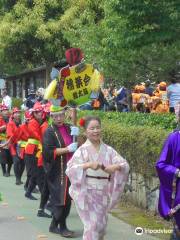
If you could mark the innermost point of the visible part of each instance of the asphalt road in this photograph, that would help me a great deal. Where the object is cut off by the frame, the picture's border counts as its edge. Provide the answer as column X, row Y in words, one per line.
column 18, row 220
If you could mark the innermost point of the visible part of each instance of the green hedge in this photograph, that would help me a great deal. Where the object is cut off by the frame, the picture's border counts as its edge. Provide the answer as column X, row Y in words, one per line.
column 140, row 145
column 164, row 121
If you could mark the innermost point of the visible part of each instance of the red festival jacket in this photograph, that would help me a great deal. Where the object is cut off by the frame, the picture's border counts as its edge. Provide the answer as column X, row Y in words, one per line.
column 34, row 131
column 43, row 128
column 22, row 138
column 2, row 123
column 12, row 132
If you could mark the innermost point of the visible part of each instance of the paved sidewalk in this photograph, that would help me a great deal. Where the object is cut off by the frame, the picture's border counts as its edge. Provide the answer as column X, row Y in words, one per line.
column 18, row 220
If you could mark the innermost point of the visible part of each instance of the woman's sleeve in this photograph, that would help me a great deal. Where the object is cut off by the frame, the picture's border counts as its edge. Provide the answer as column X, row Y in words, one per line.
column 75, row 170
column 118, row 179
column 116, row 158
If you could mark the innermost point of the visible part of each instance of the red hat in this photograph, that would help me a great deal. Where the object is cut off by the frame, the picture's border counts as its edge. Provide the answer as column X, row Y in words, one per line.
column 3, row 107
column 74, row 56
column 15, row 110
column 47, row 107
column 37, row 107
column 27, row 115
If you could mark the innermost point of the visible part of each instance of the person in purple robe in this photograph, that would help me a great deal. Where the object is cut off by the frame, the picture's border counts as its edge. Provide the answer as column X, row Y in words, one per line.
column 168, row 169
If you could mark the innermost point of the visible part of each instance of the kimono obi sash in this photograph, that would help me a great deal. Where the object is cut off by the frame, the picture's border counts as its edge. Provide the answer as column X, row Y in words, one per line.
column 96, row 179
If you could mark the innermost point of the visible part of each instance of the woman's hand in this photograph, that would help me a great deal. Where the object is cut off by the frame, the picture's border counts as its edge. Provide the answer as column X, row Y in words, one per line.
column 95, row 165
column 92, row 165
column 112, row 168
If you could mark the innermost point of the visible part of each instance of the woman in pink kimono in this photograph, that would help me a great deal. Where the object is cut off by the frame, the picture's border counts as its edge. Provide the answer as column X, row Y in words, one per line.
column 97, row 174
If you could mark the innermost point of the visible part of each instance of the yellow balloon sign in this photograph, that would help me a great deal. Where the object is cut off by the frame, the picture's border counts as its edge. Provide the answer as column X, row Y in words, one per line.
column 77, row 86
column 50, row 91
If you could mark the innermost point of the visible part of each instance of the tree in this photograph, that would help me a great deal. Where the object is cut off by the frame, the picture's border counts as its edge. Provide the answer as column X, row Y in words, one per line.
column 130, row 40
column 29, row 35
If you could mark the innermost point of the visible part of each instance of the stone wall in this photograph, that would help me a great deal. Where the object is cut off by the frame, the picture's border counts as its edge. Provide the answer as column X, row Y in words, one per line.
column 142, row 192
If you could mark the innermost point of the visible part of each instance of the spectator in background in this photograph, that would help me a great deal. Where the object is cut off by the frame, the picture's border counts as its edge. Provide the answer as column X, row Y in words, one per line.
column 6, row 99
column 40, row 94
column 177, row 112
column 121, row 100
column 102, row 100
column 31, row 99
column 173, row 91
column 149, row 90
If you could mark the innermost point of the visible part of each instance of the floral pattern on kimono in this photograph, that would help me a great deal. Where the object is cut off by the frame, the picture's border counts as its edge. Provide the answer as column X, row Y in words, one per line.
column 93, row 202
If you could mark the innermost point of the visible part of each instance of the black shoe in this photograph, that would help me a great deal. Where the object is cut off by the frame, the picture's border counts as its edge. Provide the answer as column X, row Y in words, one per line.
column 7, row 174
column 67, row 233
column 49, row 207
column 54, row 230
column 30, row 196
column 42, row 213
column 35, row 190
column 18, row 182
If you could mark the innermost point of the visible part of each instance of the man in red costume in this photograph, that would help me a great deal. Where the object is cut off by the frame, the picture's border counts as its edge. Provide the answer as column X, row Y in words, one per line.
column 5, row 156
column 32, row 150
column 13, row 130
column 41, row 173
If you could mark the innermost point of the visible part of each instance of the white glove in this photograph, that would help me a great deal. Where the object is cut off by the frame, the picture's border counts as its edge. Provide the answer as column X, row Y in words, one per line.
column 74, row 131
column 72, row 147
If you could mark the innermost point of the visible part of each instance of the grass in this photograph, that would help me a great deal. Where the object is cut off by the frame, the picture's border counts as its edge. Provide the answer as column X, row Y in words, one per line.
column 141, row 218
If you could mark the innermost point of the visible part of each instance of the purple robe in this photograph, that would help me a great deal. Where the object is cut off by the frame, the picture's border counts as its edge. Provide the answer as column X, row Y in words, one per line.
column 168, row 167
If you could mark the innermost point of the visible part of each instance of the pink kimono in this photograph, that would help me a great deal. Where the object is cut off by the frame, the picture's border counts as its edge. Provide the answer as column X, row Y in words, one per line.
column 95, row 192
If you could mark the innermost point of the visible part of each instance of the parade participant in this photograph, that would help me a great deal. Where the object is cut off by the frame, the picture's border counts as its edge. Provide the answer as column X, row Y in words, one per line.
column 32, row 149
column 45, row 190
column 159, row 100
column 142, row 99
column 20, row 137
column 57, row 151
column 159, row 106
column 162, row 90
column 149, row 90
column 168, row 169
column 5, row 156
column 13, row 128
column 135, row 97
column 97, row 174
column 22, row 141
